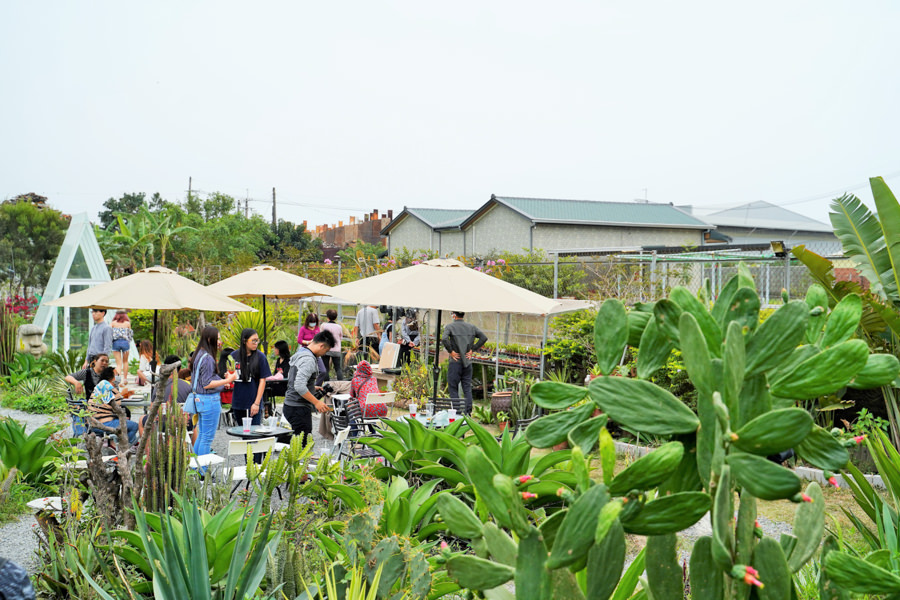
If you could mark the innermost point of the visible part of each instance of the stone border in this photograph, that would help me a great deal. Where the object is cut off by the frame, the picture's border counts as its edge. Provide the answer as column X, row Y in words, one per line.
column 635, row 451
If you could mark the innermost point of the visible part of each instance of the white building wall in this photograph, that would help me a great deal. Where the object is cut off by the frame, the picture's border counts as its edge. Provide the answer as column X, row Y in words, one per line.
column 451, row 243
column 570, row 237
column 412, row 234
column 501, row 229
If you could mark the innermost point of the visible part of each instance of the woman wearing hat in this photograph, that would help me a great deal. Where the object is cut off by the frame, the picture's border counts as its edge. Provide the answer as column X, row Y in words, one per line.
column 121, row 341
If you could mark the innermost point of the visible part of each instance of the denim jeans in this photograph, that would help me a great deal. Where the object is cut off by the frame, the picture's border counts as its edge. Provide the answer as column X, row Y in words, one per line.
column 131, row 426
column 209, row 409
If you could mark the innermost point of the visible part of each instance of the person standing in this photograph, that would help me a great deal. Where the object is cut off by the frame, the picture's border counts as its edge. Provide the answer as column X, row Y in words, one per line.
column 366, row 328
column 299, row 400
column 460, row 340
column 121, row 341
column 309, row 329
column 207, row 383
column 100, row 337
column 409, row 337
column 250, row 387
column 333, row 356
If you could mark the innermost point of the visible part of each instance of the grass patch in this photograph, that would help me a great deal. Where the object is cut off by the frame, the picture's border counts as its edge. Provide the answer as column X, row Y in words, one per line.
column 14, row 505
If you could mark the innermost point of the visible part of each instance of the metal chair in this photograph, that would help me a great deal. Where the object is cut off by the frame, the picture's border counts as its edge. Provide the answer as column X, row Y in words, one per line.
column 459, row 404
column 239, row 448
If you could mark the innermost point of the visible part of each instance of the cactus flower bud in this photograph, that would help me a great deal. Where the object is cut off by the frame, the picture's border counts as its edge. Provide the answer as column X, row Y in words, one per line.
column 748, row 574
column 830, row 478
column 734, row 437
column 524, row 478
column 859, row 439
column 561, row 492
column 528, row 495
column 444, row 545
column 757, row 530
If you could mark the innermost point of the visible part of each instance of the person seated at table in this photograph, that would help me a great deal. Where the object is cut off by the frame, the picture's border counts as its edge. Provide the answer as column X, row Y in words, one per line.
column 87, row 379
column 361, row 386
column 283, row 359
column 299, row 401
column 183, row 389
column 145, row 350
column 102, row 412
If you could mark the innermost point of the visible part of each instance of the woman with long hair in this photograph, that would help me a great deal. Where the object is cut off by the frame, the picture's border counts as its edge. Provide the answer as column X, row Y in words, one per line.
column 206, row 384
column 283, row 358
column 145, row 352
column 251, row 369
column 121, row 342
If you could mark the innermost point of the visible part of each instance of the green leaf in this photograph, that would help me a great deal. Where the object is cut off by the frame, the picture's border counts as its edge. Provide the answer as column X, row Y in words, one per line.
column 863, row 240
column 610, row 335
column 556, row 396
column 641, row 405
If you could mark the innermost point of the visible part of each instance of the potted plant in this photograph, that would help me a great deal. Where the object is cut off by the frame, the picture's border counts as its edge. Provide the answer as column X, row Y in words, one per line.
column 501, row 399
column 502, row 420
column 522, row 408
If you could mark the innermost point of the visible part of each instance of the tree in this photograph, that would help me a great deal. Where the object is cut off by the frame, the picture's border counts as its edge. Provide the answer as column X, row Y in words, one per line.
column 30, row 238
column 128, row 204
column 290, row 240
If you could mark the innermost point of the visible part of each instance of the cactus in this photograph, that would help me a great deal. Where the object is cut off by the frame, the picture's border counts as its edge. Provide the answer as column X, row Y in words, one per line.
column 748, row 376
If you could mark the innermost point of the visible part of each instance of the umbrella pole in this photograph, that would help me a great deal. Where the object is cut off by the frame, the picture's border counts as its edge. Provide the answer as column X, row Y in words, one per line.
column 436, row 371
column 497, row 353
column 544, row 345
column 153, row 356
column 265, row 329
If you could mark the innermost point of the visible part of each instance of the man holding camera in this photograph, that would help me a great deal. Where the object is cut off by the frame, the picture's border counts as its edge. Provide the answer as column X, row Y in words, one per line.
column 300, row 399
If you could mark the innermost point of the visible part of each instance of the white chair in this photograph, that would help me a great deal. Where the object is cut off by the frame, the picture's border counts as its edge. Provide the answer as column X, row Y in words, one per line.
column 239, row 448
column 205, row 460
column 379, row 398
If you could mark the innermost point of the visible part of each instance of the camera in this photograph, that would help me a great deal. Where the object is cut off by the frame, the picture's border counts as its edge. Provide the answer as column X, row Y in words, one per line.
column 326, row 389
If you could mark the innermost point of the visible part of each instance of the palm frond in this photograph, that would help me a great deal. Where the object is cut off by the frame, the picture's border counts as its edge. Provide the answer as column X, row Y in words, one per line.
column 863, row 240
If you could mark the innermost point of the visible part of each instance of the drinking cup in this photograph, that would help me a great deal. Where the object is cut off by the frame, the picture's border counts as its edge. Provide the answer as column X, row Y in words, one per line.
column 247, row 422
column 412, row 410
column 451, row 414
column 429, row 409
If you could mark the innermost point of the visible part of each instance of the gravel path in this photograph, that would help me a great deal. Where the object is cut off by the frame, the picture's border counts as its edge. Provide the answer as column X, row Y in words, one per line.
column 18, row 543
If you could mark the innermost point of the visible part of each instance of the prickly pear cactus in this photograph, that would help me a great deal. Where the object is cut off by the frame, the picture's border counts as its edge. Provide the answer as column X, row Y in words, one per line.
column 749, row 377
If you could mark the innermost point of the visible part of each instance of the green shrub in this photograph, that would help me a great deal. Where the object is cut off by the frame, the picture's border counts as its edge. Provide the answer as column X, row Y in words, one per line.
column 38, row 404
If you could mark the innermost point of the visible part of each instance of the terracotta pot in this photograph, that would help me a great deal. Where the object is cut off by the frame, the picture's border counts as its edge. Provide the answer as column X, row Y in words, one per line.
column 561, row 446
column 503, row 425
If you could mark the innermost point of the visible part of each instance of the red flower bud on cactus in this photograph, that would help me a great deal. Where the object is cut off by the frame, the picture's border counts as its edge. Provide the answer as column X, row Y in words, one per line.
column 748, row 574
column 529, row 495
column 859, row 439
column 734, row 437
column 444, row 545
column 805, row 498
column 524, row 478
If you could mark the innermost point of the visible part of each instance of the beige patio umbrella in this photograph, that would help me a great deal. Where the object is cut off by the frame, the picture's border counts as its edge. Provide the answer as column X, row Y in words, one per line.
column 445, row 284
column 262, row 281
column 156, row 288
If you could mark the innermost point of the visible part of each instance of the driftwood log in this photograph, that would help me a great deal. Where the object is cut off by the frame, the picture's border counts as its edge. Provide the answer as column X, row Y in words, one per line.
column 114, row 492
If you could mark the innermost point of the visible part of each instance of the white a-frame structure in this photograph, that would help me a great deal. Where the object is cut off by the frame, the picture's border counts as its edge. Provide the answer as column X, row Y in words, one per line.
column 79, row 266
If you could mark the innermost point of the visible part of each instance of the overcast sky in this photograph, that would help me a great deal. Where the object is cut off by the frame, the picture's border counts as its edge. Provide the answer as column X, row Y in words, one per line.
column 345, row 107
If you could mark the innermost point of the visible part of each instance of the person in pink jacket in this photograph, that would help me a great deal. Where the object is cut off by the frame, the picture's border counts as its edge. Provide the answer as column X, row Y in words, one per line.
column 306, row 334
column 309, row 329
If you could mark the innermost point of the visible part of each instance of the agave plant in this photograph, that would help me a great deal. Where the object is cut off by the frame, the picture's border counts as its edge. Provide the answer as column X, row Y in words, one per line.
column 31, row 454
column 179, row 562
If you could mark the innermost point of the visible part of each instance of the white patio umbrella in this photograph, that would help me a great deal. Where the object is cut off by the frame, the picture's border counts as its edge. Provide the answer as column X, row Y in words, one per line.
column 155, row 288
column 262, row 281
column 445, row 284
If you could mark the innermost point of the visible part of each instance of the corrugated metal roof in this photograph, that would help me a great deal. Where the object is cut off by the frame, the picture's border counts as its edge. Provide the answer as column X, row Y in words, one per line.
column 439, row 218
column 594, row 212
column 765, row 215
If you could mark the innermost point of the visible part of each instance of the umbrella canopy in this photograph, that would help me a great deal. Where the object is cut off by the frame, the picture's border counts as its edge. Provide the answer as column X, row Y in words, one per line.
column 445, row 284
column 269, row 281
column 155, row 288
column 265, row 281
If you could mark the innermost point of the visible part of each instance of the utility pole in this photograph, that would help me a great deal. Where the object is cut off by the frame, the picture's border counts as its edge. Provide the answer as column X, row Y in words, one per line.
column 190, row 187
column 274, row 214
column 247, row 207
